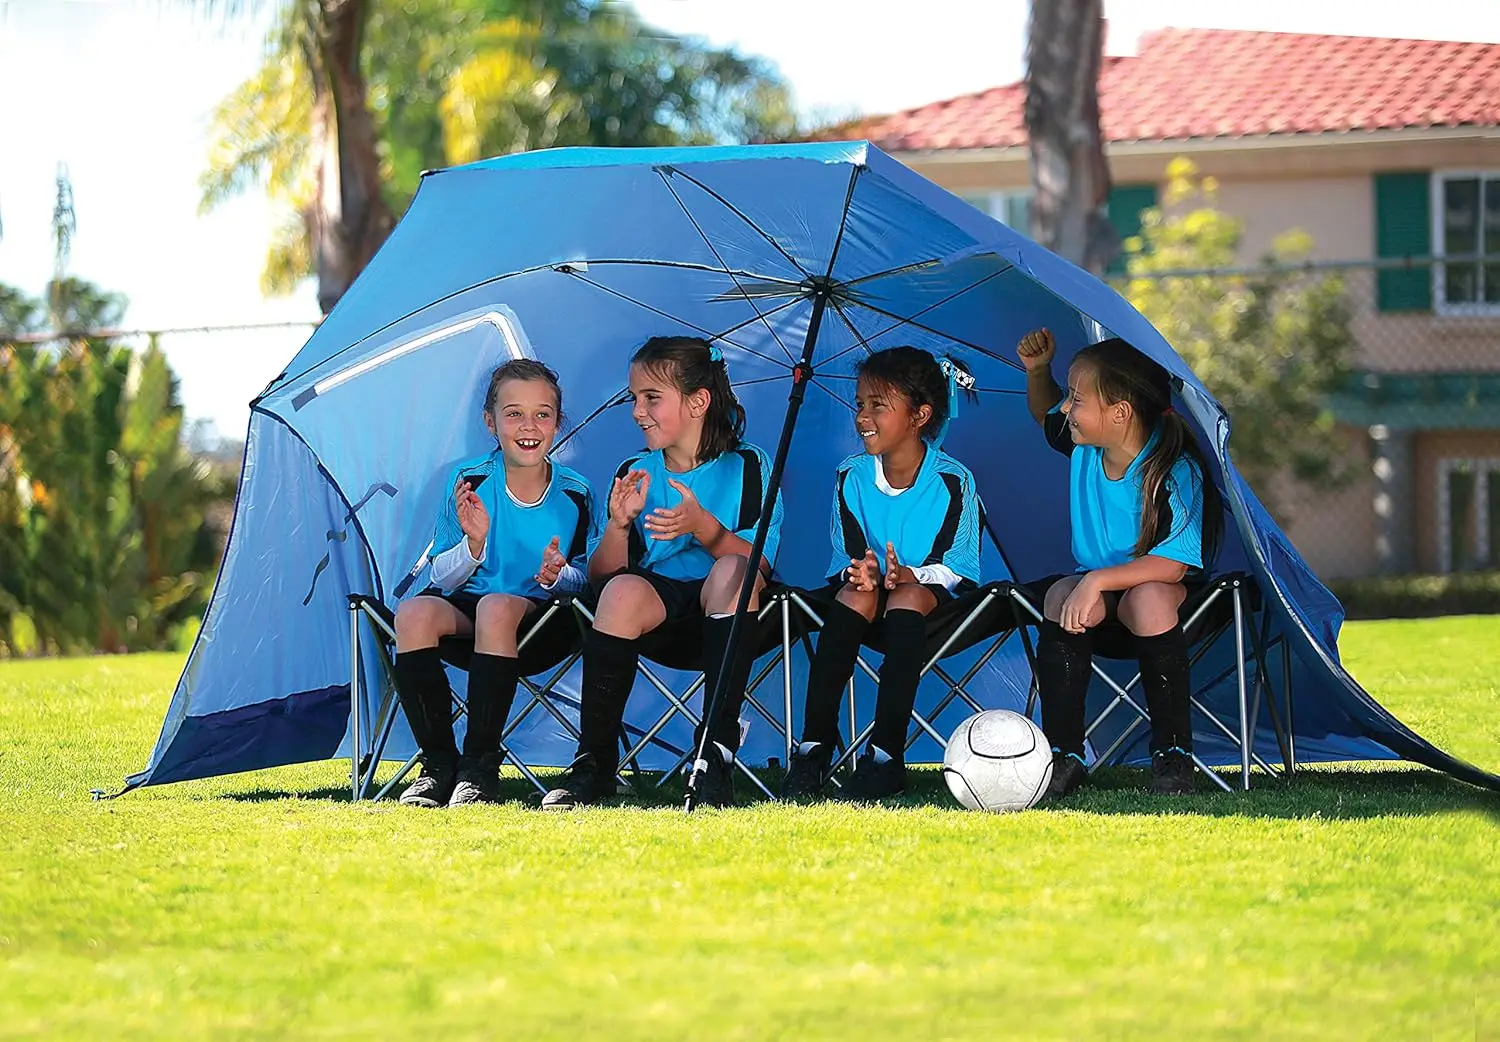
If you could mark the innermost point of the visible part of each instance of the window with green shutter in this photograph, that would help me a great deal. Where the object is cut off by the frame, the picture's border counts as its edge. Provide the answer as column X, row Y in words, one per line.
column 1467, row 234
column 1125, row 205
column 1403, row 228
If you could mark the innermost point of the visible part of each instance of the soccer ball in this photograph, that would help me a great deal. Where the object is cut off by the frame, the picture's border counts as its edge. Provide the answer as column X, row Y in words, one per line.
column 997, row 760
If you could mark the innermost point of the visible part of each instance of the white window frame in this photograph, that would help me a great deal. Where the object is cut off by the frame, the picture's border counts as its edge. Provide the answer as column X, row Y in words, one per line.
column 996, row 201
column 1484, row 469
column 1440, row 246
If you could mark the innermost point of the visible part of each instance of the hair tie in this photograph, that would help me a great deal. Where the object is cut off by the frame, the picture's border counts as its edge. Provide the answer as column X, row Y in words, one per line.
column 715, row 353
column 1168, row 411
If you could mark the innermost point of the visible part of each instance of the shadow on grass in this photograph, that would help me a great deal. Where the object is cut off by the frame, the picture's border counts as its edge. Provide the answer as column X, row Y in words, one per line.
column 1342, row 794
column 1329, row 794
column 512, row 790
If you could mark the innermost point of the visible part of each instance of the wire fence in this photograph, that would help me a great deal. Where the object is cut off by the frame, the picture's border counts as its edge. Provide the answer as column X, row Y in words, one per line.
column 1365, row 397
column 219, row 367
column 1397, row 470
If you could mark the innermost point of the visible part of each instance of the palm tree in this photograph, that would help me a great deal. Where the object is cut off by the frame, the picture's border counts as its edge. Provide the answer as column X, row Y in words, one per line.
column 449, row 82
column 319, row 43
column 1069, row 172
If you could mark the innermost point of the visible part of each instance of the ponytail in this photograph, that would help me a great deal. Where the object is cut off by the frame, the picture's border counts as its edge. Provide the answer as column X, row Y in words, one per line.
column 1174, row 440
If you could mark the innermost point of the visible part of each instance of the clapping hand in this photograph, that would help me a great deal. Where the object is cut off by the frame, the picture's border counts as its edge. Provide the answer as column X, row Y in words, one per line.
column 864, row 573
column 896, row 573
column 627, row 498
column 552, row 564
column 473, row 519
column 687, row 518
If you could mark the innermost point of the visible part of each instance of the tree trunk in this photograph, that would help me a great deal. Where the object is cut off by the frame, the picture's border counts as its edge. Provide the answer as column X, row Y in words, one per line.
column 350, row 218
column 1069, row 174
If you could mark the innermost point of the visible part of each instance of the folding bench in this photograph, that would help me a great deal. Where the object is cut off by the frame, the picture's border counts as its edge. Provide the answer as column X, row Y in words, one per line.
column 369, row 742
column 1230, row 602
column 987, row 615
column 776, row 627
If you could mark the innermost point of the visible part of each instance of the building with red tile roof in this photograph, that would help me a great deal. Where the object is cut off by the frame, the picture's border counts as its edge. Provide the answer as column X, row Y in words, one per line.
column 1212, row 84
column 1380, row 149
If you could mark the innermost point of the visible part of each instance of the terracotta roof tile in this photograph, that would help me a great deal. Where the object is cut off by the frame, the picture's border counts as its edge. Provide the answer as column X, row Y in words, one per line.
column 1212, row 83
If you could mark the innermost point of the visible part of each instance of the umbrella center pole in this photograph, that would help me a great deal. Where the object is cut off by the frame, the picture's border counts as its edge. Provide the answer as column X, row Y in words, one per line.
column 819, row 289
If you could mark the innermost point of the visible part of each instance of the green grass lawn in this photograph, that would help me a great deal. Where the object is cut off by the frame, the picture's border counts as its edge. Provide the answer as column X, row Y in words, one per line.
column 1363, row 902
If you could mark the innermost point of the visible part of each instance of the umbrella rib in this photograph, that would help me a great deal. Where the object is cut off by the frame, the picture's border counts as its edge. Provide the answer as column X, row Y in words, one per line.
column 621, row 396
column 658, row 311
column 759, row 380
column 854, row 298
column 690, row 266
column 758, row 317
column 848, row 350
column 917, row 266
column 863, row 343
column 715, row 251
column 938, row 332
column 845, row 318
column 883, row 332
column 838, row 240
column 618, row 398
column 735, row 210
column 838, row 307
column 287, row 379
column 913, row 266
column 912, row 321
column 977, row 390
column 814, row 382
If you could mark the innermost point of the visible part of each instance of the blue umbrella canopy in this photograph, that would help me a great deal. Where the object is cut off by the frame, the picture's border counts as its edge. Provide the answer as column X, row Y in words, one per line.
column 576, row 256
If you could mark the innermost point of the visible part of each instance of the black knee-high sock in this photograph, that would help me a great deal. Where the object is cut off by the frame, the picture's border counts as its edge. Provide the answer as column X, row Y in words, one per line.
column 724, row 728
column 1062, row 676
column 608, row 674
column 905, row 650
column 832, row 666
column 1165, row 676
column 492, row 690
column 422, row 687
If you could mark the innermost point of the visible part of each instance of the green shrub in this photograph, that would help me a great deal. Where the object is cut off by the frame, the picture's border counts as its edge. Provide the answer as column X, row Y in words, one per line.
column 1419, row 596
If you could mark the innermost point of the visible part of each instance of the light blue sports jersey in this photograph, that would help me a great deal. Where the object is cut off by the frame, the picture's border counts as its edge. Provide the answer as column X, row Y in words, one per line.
column 731, row 487
column 519, row 534
column 1106, row 514
column 935, row 521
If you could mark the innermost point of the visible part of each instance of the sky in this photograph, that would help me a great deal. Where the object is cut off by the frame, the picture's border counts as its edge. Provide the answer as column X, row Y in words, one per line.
column 121, row 91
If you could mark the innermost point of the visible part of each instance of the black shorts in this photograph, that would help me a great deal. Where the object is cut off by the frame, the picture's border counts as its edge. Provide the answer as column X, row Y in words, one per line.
column 543, row 649
column 953, row 607
column 1111, row 638
column 678, row 642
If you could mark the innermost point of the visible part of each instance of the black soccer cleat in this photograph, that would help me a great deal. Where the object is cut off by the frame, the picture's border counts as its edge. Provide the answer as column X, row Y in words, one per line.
column 716, row 782
column 478, row 782
column 587, row 782
column 433, row 787
column 875, row 780
column 1173, row 773
column 807, row 772
column 1068, row 775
